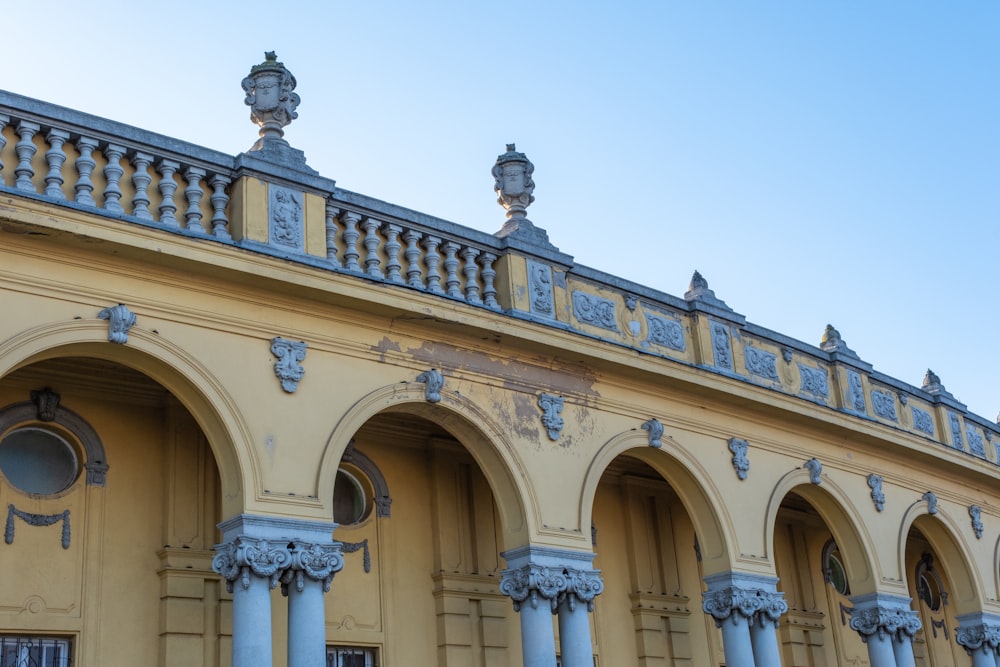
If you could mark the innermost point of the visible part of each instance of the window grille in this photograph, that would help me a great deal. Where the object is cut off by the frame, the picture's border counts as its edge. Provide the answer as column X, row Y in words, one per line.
column 348, row 656
column 28, row 651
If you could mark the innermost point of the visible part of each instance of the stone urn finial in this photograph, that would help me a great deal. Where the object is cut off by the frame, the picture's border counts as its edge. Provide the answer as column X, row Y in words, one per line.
column 513, row 184
column 272, row 103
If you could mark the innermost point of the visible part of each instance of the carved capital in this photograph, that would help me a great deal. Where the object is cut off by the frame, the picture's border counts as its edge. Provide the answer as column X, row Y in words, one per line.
column 885, row 621
column 582, row 586
column 319, row 562
column 755, row 605
column 246, row 556
column 982, row 637
column 534, row 583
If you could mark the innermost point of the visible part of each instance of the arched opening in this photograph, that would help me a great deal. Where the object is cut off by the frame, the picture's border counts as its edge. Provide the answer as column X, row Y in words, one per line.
column 421, row 583
column 817, row 566
column 124, row 538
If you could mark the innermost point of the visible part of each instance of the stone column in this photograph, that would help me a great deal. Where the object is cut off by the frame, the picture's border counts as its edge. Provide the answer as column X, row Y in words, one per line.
column 543, row 581
column 979, row 635
column 251, row 567
column 746, row 608
column 887, row 625
column 304, row 582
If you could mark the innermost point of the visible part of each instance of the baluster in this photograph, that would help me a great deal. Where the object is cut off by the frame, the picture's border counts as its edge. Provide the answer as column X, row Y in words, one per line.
column 392, row 247
column 4, row 121
column 141, row 180
column 168, row 186
column 25, row 151
column 85, row 167
column 372, row 260
column 331, row 234
column 488, row 273
column 113, row 172
column 351, row 235
column 451, row 269
column 220, row 223
column 55, row 157
column 432, row 258
column 412, row 254
column 471, row 269
column 194, row 194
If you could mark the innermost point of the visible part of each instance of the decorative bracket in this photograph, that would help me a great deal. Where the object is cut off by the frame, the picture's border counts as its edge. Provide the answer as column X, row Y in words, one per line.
column 120, row 320
column 815, row 469
column 288, row 367
column 741, row 464
column 875, row 484
column 434, row 382
column 551, row 406
column 655, row 429
column 976, row 514
column 932, row 501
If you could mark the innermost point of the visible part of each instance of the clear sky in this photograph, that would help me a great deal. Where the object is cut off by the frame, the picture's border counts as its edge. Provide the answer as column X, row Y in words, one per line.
column 817, row 161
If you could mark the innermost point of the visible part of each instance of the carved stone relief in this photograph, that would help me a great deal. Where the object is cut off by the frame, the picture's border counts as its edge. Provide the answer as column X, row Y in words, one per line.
column 884, row 405
column 288, row 366
column 665, row 332
column 815, row 469
column 814, row 381
column 976, row 514
column 434, row 382
column 855, row 392
column 540, row 298
column 594, row 310
column 721, row 346
column 922, row 420
column 655, row 429
column 286, row 222
column 741, row 464
column 956, row 431
column 36, row 520
column 878, row 497
column 762, row 364
column 932, row 502
column 976, row 445
column 551, row 406
column 120, row 320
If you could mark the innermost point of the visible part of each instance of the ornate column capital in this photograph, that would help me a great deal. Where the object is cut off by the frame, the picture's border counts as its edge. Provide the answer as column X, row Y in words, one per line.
column 318, row 562
column 734, row 596
column 554, row 575
column 885, row 617
column 979, row 633
column 582, row 586
column 532, row 583
column 243, row 556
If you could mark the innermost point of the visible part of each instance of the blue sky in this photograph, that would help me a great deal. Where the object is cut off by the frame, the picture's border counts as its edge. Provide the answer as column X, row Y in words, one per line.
column 818, row 162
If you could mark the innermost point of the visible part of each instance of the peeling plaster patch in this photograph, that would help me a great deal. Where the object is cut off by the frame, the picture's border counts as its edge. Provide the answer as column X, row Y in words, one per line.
column 386, row 345
column 569, row 379
column 526, row 422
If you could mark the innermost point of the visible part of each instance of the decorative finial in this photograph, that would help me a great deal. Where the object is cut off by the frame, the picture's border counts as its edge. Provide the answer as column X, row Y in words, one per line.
column 699, row 291
column 931, row 378
column 272, row 103
column 697, row 281
column 832, row 342
column 513, row 183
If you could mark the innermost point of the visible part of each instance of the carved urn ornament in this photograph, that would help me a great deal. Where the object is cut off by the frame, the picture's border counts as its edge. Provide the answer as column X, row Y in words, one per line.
column 512, row 182
column 272, row 103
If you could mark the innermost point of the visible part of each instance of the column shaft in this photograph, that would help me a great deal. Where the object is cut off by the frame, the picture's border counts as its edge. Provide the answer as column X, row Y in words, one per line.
column 880, row 651
column 764, row 638
column 983, row 658
column 538, row 642
column 902, row 648
column 306, row 624
column 574, row 635
column 736, row 642
column 252, row 623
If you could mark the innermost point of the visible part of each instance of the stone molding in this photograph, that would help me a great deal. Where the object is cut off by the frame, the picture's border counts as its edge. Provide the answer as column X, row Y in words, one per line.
column 885, row 617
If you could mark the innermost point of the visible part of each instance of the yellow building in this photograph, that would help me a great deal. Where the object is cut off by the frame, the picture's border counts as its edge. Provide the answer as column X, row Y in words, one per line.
column 250, row 418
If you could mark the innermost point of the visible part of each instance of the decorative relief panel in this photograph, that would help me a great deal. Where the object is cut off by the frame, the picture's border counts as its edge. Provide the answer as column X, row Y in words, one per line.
column 956, row 431
column 286, row 226
column 814, row 381
column 976, row 445
column 721, row 346
column 665, row 332
column 36, row 520
column 855, row 392
column 762, row 364
column 884, row 405
column 288, row 367
column 594, row 310
column 922, row 420
column 540, row 288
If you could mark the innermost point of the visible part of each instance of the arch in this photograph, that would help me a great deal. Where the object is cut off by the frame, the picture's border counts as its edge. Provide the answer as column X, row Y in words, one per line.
column 841, row 517
column 951, row 550
column 201, row 393
column 471, row 426
column 691, row 482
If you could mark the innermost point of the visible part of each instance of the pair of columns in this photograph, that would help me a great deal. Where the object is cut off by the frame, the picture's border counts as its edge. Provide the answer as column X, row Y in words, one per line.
column 541, row 582
column 258, row 553
column 746, row 608
column 886, row 625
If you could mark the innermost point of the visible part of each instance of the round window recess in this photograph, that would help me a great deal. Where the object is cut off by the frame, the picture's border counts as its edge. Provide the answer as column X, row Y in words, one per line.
column 38, row 461
column 351, row 498
column 929, row 591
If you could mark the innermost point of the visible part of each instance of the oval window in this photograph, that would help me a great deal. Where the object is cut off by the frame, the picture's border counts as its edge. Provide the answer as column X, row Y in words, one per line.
column 350, row 502
column 38, row 461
